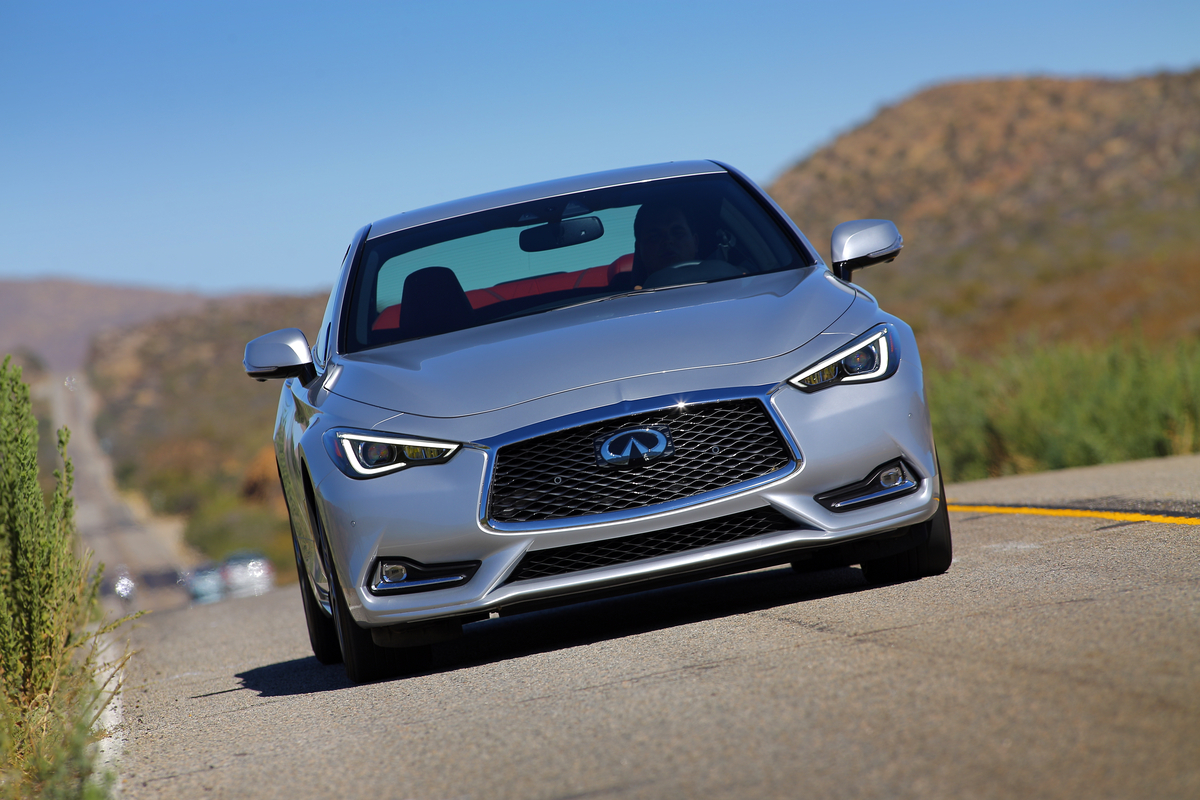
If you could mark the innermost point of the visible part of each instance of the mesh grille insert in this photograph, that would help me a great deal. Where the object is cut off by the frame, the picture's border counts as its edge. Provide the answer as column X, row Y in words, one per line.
column 716, row 445
column 573, row 558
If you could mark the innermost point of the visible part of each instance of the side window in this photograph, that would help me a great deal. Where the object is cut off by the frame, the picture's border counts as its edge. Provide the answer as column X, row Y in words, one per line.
column 322, row 348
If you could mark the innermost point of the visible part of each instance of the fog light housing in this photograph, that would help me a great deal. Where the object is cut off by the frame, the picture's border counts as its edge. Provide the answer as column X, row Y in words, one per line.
column 891, row 477
column 887, row 482
column 403, row 575
column 392, row 572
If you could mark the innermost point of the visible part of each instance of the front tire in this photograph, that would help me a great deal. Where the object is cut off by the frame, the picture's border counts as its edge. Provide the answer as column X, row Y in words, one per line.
column 925, row 560
column 322, row 633
column 364, row 660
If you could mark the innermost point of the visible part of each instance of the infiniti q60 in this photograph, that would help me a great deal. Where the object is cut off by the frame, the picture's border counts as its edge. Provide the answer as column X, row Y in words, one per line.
column 590, row 386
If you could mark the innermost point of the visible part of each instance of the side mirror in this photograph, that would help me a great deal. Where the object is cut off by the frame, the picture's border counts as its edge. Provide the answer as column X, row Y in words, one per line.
column 280, row 354
column 863, row 242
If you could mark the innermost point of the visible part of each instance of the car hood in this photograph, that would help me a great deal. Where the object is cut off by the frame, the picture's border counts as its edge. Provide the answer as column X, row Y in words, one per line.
column 499, row 365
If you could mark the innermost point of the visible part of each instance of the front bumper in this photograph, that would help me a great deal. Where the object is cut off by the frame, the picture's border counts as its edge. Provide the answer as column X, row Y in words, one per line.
column 434, row 515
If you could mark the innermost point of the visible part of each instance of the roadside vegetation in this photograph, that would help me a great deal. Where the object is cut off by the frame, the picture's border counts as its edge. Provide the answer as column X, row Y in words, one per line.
column 50, row 695
column 1066, row 405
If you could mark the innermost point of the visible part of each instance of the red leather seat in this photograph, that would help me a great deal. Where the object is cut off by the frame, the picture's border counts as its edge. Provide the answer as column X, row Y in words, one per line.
column 592, row 278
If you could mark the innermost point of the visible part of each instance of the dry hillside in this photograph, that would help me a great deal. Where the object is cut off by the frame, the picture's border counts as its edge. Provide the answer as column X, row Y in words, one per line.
column 187, row 428
column 55, row 319
column 1057, row 208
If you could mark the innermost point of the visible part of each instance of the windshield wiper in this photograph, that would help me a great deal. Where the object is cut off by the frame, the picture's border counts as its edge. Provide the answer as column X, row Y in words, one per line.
column 631, row 293
column 541, row 310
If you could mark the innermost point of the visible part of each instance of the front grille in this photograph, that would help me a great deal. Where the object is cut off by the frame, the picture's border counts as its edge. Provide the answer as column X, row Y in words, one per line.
column 716, row 445
column 573, row 558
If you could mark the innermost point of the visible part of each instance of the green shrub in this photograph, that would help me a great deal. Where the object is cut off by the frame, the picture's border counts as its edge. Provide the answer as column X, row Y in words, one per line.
column 1066, row 405
column 49, row 699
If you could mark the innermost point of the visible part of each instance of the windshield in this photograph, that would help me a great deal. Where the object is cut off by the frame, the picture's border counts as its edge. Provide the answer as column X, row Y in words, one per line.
column 559, row 252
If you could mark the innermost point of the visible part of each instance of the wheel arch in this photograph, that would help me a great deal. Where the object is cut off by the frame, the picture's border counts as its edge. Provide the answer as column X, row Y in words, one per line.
column 310, row 548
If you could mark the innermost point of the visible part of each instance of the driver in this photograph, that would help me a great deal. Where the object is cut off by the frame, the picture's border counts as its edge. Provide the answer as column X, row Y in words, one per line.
column 663, row 238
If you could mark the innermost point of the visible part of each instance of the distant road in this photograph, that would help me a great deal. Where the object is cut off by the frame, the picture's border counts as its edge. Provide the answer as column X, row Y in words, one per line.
column 152, row 550
column 1059, row 657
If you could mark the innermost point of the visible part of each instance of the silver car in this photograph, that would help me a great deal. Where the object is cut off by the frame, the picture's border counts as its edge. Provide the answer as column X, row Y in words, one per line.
column 247, row 573
column 589, row 386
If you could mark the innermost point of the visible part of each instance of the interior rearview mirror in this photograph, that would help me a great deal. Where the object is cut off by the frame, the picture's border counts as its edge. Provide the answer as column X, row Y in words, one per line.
column 561, row 234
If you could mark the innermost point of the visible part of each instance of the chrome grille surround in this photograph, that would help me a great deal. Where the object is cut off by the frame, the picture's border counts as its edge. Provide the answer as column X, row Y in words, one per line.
column 754, row 449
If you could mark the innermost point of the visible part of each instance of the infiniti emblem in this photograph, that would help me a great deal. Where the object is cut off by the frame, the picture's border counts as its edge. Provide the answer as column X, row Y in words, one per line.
column 634, row 447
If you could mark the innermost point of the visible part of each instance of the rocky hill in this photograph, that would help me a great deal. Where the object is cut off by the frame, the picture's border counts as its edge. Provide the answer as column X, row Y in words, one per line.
column 1058, row 209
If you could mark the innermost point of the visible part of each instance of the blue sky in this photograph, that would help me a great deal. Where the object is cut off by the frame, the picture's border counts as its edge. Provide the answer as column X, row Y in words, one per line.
column 237, row 146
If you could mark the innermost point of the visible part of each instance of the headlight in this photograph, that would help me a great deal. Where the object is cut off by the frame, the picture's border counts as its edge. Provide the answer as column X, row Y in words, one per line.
column 365, row 455
column 871, row 357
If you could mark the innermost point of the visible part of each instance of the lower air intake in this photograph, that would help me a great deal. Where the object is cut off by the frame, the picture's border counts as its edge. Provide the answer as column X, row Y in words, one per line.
column 573, row 558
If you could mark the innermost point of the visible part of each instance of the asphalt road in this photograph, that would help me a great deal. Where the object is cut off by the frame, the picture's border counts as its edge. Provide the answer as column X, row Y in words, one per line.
column 1059, row 657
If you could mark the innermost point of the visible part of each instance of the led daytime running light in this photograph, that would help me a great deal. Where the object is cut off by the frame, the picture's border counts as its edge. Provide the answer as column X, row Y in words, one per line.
column 830, row 371
column 408, row 452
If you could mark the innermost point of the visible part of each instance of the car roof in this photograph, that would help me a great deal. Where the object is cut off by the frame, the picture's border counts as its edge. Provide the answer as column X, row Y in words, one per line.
column 538, row 191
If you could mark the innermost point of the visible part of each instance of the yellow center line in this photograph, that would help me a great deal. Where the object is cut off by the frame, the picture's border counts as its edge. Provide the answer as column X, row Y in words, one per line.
column 1120, row 516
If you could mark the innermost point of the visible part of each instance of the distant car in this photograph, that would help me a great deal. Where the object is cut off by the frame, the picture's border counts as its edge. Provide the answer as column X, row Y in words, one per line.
column 247, row 573
column 205, row 583
column 589, row 386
